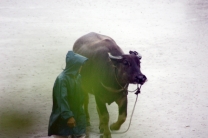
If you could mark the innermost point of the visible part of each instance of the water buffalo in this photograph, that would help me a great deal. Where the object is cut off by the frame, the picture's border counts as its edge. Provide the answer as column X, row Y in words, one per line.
column 107, row 75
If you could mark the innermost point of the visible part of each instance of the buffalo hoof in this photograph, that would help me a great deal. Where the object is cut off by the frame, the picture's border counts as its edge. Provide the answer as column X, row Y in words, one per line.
column 114, row 126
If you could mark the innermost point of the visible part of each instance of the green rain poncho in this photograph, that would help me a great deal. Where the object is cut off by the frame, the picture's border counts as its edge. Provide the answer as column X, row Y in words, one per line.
column 68, row 99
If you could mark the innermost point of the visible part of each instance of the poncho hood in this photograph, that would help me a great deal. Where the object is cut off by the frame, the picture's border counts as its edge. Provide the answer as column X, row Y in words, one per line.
column 73, row 63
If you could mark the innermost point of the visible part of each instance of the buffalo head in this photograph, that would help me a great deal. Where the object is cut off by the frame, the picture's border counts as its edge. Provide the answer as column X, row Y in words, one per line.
column 128, row 68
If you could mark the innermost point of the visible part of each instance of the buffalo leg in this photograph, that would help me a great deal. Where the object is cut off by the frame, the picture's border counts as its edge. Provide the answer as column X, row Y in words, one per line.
column 122, row 105
column 101, row 125
column 104, row 118
column 86, row 103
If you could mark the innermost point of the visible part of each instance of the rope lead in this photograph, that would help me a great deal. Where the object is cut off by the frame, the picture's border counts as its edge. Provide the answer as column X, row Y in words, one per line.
column 137, row 92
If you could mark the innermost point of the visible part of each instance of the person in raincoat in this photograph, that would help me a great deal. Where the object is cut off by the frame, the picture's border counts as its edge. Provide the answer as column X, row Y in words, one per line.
column 67, row 119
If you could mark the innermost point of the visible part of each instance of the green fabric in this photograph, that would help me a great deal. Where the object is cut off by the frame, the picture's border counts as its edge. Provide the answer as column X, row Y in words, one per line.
column 68, row 99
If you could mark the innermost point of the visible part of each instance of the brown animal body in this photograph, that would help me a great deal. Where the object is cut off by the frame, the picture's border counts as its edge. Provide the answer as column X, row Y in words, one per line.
column 106, row 75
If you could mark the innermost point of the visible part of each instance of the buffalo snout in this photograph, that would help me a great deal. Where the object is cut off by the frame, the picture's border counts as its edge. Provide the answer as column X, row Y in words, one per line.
column 140, row 79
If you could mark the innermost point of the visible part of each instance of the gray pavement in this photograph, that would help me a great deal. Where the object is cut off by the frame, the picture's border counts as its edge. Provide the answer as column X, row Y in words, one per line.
column 171, row 36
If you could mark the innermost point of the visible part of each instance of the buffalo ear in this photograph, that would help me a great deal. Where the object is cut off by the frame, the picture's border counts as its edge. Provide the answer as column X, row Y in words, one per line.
column 136, row 54
column 133, row 52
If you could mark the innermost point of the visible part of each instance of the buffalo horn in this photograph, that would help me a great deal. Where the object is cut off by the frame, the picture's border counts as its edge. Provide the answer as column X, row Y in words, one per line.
column 114, row 57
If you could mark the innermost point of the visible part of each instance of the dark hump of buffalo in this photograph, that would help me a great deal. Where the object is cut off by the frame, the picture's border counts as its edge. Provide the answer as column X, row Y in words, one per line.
column 98, row 67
